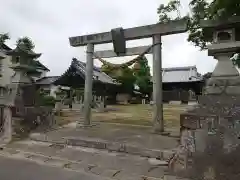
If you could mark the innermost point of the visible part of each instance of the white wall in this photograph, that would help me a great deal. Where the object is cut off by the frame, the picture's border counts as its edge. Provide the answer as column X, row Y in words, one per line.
column 53, row 90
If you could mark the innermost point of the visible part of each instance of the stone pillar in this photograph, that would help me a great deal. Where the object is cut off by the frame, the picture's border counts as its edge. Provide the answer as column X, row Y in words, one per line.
column 157, row 85
column 88, row 85
column 101, row 106
column 7, row 126
column 58, row 107
column 81, row 99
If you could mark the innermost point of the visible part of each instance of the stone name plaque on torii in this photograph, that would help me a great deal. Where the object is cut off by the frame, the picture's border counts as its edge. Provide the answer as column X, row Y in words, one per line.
column 119, row 37
column 173, row 27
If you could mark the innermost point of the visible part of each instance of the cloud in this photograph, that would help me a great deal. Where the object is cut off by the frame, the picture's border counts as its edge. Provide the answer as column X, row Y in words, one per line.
column 50, row 23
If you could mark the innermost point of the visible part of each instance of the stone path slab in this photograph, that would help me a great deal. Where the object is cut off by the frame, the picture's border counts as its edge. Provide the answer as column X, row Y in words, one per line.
column 97, row 162
column 132, row 140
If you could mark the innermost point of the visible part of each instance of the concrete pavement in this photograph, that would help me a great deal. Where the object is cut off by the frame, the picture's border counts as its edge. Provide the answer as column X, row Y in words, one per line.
column 132, row 140
column 32, row 160
column 19, row 169
column 104, row 164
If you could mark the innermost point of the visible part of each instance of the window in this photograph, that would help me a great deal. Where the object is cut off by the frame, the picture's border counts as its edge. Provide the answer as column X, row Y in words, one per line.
column 224, row 36
column 17, row 59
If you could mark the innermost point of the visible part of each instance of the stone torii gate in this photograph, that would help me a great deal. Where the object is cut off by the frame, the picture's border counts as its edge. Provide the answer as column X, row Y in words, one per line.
column 118, row 37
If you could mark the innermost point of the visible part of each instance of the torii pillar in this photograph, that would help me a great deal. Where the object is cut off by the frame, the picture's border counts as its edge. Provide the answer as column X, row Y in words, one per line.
column 155, row 31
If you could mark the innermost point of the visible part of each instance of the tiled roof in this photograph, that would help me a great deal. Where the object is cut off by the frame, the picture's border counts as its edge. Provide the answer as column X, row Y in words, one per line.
column 79, row 68
column 181, row 74
column 19, row 50
column 5, row 47
column 47, row 80
column 39, row 65
column 98, row 75
column 4, row 50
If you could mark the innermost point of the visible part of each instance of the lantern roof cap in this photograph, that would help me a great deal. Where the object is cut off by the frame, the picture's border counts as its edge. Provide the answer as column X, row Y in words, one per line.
column 19, row 50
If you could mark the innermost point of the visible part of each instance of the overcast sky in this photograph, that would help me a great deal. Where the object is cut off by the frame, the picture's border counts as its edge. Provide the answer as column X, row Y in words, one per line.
column 49, row 23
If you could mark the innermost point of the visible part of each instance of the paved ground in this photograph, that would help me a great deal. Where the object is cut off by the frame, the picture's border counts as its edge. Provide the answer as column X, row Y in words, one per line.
column 83, row 160
column 16, row 169
column 56, row 159
column 119, row 138
column 136, row 136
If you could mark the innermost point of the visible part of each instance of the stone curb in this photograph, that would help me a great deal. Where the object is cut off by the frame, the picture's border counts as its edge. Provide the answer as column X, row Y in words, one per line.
column 106, row 145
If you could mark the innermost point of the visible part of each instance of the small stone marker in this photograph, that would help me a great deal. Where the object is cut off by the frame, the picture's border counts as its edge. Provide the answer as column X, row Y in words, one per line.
column 156, row 162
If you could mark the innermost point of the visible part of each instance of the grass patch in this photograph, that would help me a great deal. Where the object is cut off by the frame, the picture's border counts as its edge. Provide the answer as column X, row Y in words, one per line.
column 128, row 114
column 140, row 115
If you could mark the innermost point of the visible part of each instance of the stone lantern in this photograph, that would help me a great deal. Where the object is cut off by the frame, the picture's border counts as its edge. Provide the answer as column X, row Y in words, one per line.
column 21, row 79
column 16, row 96
column 225, row 42
column 212, row 125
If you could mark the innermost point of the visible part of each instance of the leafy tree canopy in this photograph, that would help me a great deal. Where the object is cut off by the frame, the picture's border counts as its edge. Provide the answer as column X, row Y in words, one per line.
column 201, row 9
column 138, row 75
column 25, row 43
column 143, row 76
column 3, row 38
column 123, row 75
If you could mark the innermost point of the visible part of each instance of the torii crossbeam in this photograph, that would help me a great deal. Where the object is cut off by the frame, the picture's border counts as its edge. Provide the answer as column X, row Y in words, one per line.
column 118, row 37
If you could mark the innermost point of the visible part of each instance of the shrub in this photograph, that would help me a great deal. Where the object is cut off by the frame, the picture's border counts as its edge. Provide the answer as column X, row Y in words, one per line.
column 47, row 101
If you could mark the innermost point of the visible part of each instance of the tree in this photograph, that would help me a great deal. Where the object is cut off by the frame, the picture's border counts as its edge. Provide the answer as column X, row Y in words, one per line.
column 214, row 10
column 3, row 38
column 143, row 76
column 123, row 75
column 25, row 43
column 200, row 9
column 127, row 79
column 165, row 10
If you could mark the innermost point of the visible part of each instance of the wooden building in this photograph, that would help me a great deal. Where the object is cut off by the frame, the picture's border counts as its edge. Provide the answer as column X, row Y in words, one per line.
column 179, row 81
column 184, row 78
column 74, row 77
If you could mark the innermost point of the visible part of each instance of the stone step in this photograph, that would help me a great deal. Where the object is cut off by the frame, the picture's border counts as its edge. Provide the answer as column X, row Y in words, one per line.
column 102, row 163
column 78, row 113
column 106, row 145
